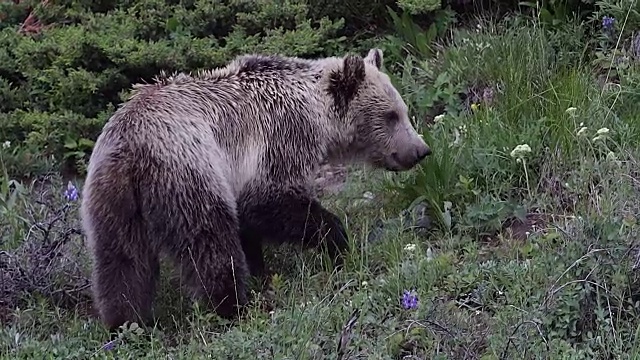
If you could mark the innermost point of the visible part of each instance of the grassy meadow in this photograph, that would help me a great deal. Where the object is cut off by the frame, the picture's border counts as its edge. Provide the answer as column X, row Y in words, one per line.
column 516, row 239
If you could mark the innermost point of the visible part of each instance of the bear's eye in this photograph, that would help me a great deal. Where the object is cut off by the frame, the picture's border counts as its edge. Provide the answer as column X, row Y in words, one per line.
column 392, row 117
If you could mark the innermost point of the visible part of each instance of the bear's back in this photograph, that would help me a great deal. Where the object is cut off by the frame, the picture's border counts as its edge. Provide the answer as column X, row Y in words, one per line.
column 260, row 115
column 253, row 97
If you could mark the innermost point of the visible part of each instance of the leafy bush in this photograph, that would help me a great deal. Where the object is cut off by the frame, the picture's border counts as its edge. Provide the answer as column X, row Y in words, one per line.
column 60, row 84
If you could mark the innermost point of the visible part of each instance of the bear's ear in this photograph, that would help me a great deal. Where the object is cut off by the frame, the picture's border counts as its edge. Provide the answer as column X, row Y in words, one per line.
column 346, row 81
column 374, row 57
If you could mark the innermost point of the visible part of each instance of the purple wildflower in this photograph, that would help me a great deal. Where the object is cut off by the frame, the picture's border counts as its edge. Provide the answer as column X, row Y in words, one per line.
column 410, row 299
column 71, row 193
column 109, row 346
column 607, row 22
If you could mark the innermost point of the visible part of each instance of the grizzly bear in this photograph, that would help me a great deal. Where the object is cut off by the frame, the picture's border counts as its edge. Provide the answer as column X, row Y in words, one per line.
column 204, row 167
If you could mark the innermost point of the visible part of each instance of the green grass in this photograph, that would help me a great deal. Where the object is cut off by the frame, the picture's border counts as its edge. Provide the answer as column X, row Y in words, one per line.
column 491, row 283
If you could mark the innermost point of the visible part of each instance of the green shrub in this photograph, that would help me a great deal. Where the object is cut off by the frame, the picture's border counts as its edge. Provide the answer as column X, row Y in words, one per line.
column 61, row 84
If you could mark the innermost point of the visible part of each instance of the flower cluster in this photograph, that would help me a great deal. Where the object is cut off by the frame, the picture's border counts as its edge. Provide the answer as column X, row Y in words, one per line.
column 410, row 299
column 109, row 345
column 410, row 247
column 520, row 151
column 601, row 133
column 583, row 130
column 71, row 193
column 607, row 22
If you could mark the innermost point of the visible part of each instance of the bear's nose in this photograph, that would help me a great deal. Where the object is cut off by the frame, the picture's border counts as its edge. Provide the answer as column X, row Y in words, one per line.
column 423, row 152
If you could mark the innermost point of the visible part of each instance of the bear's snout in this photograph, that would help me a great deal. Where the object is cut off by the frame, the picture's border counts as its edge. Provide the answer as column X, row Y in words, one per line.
column 410, row 149
column 411, row 157
column 422, row 152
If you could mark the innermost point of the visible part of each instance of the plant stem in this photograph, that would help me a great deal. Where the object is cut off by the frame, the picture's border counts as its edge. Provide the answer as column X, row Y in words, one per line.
column 526, row 175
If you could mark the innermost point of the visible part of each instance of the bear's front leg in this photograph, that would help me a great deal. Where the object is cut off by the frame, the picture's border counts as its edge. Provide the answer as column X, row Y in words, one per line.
column 252, row 246
column 287, row 215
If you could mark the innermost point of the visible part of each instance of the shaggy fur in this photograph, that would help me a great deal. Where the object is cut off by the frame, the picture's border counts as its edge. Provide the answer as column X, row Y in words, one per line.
column 205, row 167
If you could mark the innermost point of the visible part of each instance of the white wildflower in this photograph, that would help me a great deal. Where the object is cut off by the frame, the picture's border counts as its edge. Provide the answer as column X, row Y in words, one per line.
column 410, row 247
column 582, row 131
column 6, row 144
column 571, row 111
column 611, row 156
column 601, row 133
column 438, row 118
column 520, row 150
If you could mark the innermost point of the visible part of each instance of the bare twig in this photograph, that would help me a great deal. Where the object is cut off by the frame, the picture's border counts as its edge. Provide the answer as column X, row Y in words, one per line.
column 551, row 290
column 32, row 24
column 345, row 334
column 506, row 348
column 36, row 265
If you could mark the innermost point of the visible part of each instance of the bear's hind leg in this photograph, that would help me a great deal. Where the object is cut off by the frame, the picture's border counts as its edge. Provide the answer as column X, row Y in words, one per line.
column 124, row 287
column 124, row 276
column 213, row 265
column 125, row 265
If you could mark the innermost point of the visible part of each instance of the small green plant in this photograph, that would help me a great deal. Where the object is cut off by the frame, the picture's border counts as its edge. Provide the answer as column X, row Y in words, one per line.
column 440, row 179
column 553, row 13
column 519, row 153
column 77, row 151
column 410, row 39
column 11, row 196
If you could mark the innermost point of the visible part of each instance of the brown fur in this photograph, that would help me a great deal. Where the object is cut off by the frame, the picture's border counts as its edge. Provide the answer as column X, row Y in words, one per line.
column 204, row 167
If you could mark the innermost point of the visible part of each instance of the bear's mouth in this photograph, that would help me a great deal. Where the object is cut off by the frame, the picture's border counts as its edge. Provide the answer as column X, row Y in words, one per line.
column 389, row 162
column 395, row 164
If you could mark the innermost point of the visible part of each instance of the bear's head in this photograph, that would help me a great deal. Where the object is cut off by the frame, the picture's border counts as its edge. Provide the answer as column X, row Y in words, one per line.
column 376, row 126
